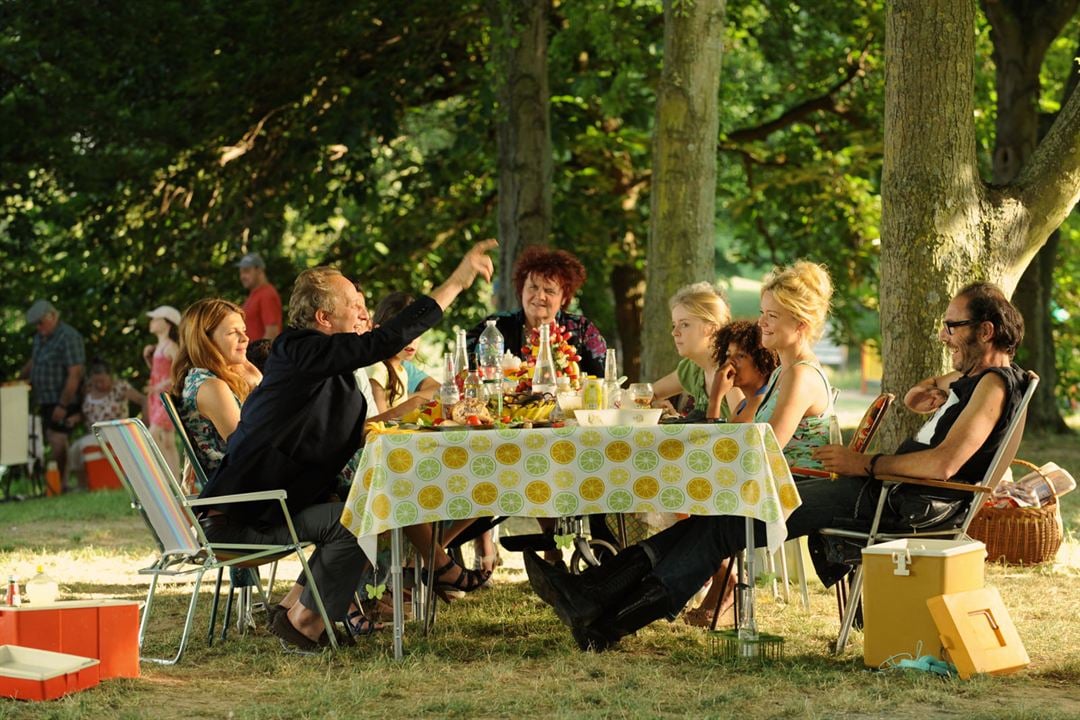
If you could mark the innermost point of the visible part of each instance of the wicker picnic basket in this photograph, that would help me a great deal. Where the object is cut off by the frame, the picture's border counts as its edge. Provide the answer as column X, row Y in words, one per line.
column 1020, row 535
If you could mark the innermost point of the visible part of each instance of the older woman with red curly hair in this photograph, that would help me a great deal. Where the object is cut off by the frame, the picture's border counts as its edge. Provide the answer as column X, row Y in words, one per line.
column 547, row 280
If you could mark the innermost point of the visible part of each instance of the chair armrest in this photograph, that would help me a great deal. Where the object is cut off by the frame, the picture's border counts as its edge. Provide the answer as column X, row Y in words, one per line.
column 810, row 472
column 243, row 497
column 927, row 482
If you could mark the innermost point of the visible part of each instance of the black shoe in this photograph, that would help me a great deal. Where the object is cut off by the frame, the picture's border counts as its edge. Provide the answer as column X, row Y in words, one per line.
column 649, row 601
column 578, row 600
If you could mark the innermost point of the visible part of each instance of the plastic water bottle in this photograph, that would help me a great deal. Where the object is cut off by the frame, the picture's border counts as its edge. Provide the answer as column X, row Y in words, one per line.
column 543, row 379
column 611, row 380
column 489, row 351
column 41, row 589
column 52, row 479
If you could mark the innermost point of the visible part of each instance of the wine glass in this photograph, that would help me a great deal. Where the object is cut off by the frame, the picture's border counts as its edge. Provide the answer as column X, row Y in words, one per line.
column 642, row 395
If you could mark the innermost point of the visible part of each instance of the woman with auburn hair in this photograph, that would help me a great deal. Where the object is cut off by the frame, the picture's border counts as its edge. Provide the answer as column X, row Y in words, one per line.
column 213, row 376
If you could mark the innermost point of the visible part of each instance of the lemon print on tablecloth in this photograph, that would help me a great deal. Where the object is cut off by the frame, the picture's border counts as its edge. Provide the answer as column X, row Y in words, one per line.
column 430, row 517
column 590, row 460
column 619, row 431
column 482, row 466
column 698, row 437
column 725, row 450
column 591, row 438
column 618, row 451
column 644, row 438
column 566, row 503
column 538, row 492
column 619, row 476
column 726, row 501
column 592, row 509
column 459, row 508
column 537, row 465
column 430, row 497
column 455, row 457
column 698, row 509
column 770, row 513
column 645, row 460
column 789, row 496
column 406, row 514
column 535, row 440
column 770, row 442
column 646, row 487
column 591, row 488
column 508, row 454
column 426, row 444
column 484, row 493
column 563, row 452
column 367, row 478
column 347, row 517
column 620, row 501
column 672, row 498
column 671, row 474
column 428, row 469
column 399, row 460
column 380, row 506
column 457, row 483
column 511, row 503
column 479, row 443
column 564, row 479
column 750, row 492
column 670, row 449
column 401, row 487
column 778, row 466
column 508, row 433
column 726, row 477
column 509, row 478
column 699, row 488
column 751, row 461
column 699, row 461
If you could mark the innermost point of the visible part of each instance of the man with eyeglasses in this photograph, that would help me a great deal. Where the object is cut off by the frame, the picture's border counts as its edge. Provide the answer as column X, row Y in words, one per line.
column 55, row 370
column 971, row 407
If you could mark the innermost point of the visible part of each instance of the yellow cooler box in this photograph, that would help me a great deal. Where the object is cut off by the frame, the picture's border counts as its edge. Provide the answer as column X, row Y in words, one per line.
column 898, row 578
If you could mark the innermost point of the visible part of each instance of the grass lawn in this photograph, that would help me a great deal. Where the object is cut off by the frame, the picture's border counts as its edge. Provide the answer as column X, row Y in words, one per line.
column 503, row 653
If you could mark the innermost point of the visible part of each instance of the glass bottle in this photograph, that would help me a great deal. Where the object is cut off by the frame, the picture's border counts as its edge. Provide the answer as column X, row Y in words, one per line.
column 543, row 379
column 448, row 390
column 611, row 380
column 461, row 360
column 474, row 387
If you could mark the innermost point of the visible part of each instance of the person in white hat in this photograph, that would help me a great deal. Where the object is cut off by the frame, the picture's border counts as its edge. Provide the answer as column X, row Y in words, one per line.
column 262, row 309
column 165, row 324
column 56, row 366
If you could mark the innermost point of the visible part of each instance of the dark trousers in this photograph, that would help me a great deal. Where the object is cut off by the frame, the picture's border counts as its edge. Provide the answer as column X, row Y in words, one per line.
column 336, row 564
column 689, row 552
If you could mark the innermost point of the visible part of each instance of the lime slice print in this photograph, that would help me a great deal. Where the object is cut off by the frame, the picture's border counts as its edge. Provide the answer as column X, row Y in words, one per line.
column 397, row 439
column 671, row 474
column 401, row 488
column 644, row 438
column 566, row 503
column 482, row 466
column 508, row 433
column 509, row 478
column 511, row 503
column 751, row 461
column 565, row 431
column 457, row 483
column 405, row 514
column 591, row 438
column 620, row 501
column 645, row 460
column 619, row 476
column 428, row 469
column 535, row 440
column 378, row 479
column 620, row 431
column 698, row 437
column 426, row 444
column 459, row 508
column 455, row 436
column 564, row 479
column 537, row 465
column 726, row 477
column 590, row 460
column 367, row 525
column 726, row 501
column 770, row 513
column 672, row 498
column 479, row 443
column 671, row 429
column 699, row 461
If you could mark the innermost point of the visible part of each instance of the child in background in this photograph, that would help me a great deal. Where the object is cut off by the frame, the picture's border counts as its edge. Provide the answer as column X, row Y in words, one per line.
column 165, row 324
column 398, row 384
column 104, row 399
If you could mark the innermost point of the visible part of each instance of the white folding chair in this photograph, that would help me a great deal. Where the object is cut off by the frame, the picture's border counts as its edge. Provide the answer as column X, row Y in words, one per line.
column 182, row 545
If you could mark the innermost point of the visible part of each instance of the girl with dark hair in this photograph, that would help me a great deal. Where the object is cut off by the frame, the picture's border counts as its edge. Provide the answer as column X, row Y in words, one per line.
column 397, row 383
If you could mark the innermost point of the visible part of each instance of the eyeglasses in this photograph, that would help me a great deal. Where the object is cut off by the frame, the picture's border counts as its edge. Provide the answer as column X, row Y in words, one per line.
column 950, row 325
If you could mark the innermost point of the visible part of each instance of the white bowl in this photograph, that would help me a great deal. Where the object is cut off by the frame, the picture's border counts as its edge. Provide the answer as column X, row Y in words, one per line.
column 626, row 416
column 569, row 401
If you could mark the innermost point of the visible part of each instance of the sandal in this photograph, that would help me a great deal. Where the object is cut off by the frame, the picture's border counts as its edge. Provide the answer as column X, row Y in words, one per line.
column 466, row 581
column 359, row 624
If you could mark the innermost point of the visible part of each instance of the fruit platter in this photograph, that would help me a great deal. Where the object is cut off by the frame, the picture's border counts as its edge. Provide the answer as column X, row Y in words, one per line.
column 518, row 410
column 564, row 355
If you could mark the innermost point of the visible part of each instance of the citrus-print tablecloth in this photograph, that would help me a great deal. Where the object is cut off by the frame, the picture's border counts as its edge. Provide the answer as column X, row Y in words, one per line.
column 720, row 469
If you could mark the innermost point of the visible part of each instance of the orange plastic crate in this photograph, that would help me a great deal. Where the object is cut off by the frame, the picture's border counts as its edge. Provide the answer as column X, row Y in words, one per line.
column 99, row 473
column 104, row 629
column 31, row 674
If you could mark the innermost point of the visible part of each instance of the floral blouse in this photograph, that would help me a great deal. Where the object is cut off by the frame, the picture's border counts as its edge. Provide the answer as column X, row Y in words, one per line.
column 584, row 336
column 208, row 443
column 113, row 405
column 811, row 432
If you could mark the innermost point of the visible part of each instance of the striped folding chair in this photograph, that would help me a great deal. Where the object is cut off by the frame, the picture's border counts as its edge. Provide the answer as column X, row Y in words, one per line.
column 182, row 546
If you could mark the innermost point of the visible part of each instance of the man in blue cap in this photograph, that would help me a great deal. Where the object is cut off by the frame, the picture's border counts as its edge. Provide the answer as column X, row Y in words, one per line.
column 55, row 370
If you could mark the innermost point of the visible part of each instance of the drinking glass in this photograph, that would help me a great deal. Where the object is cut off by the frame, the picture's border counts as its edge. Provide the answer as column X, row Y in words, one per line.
column 641, row 394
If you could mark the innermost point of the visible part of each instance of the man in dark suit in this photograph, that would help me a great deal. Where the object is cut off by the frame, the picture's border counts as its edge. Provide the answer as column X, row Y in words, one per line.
column 303, row 423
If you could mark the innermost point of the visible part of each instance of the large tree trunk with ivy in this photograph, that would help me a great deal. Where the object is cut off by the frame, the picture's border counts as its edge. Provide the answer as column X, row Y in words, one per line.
column 683, row 203
column 1022, row 32
column 519, row 43
column 942, row 226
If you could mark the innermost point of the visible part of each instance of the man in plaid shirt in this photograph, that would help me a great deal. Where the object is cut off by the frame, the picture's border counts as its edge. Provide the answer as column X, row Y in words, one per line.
column 55, row 370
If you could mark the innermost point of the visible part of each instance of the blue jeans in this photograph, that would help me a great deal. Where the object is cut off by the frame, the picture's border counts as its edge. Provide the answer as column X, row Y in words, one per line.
column 689, row 552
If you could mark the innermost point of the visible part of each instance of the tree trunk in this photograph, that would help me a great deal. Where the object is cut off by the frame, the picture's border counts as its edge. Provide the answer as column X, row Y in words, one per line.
column 519, row 39
column 1021, row 32
column 683, row 203
column 628, row 285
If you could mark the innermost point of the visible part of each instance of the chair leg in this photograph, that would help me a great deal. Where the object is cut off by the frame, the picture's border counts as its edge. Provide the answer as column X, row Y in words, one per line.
column 147, row 608
column 800, row 572
column 784, row 579
column 228, row 613
column 214, row 608
column 187, row 622
column 853, row 601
